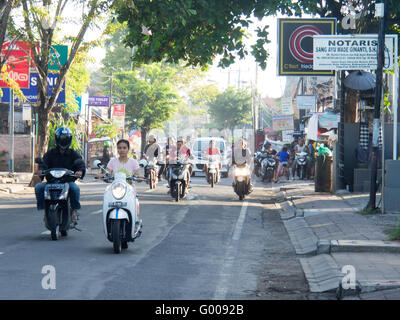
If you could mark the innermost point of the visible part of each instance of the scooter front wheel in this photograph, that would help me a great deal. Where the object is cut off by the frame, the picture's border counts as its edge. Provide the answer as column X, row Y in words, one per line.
column 116, row 229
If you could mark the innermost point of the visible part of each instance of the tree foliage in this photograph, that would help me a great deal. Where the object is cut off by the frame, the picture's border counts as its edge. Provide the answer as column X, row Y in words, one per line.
column 150, row 95
column 230, row 109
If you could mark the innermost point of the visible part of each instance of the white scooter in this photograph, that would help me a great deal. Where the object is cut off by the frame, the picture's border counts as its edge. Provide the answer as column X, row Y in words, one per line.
column 121, row 211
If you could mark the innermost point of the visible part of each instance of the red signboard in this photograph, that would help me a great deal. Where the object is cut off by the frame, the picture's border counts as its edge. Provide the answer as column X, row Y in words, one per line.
column 17, row 67
column 119, row 110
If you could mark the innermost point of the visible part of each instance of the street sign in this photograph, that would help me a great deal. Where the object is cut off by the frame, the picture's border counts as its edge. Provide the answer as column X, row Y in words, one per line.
column 284, row 122
column 306, row 102
column 295, row 45
column 99, row 101
column 58, row 56
column 287, row 136
column 32, row 92
column 17, row 68
column 351, row 52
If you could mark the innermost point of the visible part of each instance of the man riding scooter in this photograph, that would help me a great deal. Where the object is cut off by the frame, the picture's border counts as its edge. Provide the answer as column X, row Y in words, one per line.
column 62, row 157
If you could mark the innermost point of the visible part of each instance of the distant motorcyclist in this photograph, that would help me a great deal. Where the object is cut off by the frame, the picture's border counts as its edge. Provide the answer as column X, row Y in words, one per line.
column 211, row 151
column 180, row 152
column 300, row 147
column 242, row 155
column 61, row 157
column 152, row 152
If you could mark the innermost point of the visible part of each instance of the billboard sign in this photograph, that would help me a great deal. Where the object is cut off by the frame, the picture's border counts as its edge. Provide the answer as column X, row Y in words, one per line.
column 295, row 45
column 287, row 106
column 284, row 122
column 118, row 115
column 17, row 68
column 32, row 92
column 99, row 101
column 306, row 102
column 351, row 52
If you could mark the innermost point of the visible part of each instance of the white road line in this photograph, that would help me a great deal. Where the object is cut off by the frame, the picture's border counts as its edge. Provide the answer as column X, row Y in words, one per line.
column 97, row 212
column 1, row 253
column 46, row 232
column 225, row 272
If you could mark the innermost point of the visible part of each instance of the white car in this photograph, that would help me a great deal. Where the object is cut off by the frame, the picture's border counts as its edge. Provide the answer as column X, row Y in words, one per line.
column 199, row 149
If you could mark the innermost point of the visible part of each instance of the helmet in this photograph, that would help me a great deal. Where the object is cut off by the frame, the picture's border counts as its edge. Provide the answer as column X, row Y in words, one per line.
column 180, row 139
column 63, row 137
column 151, row 137
column 107, row 144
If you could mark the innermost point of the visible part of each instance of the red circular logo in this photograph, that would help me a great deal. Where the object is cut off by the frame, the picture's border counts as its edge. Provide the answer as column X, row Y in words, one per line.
column 295, row 43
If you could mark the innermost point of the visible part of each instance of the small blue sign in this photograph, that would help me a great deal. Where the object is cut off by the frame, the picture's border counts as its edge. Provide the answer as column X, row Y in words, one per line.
column 32, row 92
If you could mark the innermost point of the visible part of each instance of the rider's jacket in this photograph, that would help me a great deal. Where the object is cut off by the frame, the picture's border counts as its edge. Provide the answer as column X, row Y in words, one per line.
column 53, row 158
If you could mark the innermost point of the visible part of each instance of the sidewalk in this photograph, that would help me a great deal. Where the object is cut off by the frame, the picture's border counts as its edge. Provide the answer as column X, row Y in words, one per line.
column 16, row 184
column 331, row 233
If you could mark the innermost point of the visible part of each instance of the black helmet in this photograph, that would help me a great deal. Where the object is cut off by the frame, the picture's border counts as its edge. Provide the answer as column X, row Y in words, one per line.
column 63, row 137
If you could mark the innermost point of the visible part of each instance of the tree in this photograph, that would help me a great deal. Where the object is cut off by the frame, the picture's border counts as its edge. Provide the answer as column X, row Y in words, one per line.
column 150, row 96
column 231, row 108
column 41, row 23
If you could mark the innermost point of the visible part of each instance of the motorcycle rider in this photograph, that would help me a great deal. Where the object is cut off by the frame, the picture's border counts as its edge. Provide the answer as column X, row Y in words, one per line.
column 62, row 157
column 181, row 151
column 213, row 150
column 283, row 157
column 129, row 166
column 152, row 152
column 300, row 147
column 242, row 155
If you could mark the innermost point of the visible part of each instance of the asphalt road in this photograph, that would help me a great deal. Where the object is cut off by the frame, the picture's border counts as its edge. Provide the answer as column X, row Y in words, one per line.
column 208, row 246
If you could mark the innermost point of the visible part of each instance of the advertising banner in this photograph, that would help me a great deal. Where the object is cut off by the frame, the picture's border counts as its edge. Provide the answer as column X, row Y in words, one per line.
column 58, row 56
column 284, row 122
column 118, row 115
column 287, row 106
column 17, row 67
column 295, row 45
column 351, row 52
column 32, row 92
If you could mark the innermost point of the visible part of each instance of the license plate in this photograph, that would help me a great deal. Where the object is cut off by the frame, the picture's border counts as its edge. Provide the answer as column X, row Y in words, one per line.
column 117, row 204
column 56, row 186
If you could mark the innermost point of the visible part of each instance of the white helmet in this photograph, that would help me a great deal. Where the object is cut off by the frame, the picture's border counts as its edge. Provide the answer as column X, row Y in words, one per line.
column 151, row 137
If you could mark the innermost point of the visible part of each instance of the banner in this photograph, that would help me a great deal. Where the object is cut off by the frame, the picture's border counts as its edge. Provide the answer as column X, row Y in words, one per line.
column 351, row 52
column 287, row 136
column 17, row 67
column 295, row 45
column 32, row 92
column 118, row 115
column 287, row 106
column 284, row 122
column 58, row 56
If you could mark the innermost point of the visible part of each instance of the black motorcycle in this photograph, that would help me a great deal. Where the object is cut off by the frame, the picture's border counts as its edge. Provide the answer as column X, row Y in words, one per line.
column 56, row 198
column 179, row 178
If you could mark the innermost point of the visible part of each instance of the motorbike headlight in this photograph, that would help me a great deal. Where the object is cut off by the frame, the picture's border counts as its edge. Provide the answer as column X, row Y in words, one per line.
column 57, row 173
column 118, row 190
column 241, row 172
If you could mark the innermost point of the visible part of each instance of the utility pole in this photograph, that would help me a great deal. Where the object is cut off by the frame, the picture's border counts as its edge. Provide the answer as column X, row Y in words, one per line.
column 380, row 13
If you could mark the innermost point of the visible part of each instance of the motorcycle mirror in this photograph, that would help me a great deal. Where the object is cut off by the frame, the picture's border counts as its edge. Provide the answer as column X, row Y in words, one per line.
column 96, row 163
column 38, row 160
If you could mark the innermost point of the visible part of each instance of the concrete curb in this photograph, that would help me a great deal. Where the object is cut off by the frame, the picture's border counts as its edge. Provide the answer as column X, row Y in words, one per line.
column 330, row 246
column 302, row 237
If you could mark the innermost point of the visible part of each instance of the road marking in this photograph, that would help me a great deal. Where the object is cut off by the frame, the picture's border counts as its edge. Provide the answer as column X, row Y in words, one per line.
column 97, row 212
column 1, row 253
column 225, row 272
column 46, row 232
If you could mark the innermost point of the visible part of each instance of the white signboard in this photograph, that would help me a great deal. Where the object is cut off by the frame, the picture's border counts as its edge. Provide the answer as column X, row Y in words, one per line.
column 306, row 102
column 350, row 52
column 26, row 112
column 287, row 106
column 287, row 136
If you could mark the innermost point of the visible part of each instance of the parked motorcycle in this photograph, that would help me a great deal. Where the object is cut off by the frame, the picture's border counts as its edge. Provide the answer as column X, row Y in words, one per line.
column 56, row 198
column 257, row 163
column 301, row 165
column 213, row 174
column 241, row 179
column 268, row 166
column 150, row 171
column 179, row 178
column 121, row 210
